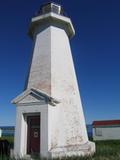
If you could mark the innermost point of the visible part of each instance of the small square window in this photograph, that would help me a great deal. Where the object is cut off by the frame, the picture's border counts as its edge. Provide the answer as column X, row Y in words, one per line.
column 98, row 131
column 55, row 9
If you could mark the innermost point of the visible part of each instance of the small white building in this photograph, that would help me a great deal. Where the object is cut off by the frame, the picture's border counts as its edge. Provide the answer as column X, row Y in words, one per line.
column 0, row 132
column 106, row 130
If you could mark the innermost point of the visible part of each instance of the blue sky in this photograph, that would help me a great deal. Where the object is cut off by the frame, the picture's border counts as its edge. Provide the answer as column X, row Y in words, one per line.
column 95, row 49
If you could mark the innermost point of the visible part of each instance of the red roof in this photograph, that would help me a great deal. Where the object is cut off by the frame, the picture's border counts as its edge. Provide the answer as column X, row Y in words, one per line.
column 106, row 123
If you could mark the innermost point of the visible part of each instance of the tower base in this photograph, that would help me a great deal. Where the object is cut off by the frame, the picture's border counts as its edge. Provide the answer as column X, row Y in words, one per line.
column 74, row 150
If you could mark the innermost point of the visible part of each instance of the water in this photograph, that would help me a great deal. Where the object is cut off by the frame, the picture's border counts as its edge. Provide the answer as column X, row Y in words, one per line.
column 7, row 130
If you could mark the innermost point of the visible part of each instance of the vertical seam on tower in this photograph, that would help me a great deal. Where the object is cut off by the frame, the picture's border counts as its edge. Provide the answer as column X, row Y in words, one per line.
column 50, row 62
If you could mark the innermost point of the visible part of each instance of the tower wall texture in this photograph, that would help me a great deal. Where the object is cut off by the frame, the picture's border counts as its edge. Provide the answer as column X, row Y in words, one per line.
column 40, row 70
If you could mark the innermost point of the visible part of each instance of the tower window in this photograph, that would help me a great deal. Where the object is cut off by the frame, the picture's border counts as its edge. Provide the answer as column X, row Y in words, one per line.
column 51, row 8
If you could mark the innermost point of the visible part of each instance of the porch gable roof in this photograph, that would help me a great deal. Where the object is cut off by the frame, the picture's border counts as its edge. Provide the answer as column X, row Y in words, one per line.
column 36, row 93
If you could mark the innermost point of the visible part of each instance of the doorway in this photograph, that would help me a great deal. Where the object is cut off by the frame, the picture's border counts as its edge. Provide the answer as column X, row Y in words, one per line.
column 33, row 134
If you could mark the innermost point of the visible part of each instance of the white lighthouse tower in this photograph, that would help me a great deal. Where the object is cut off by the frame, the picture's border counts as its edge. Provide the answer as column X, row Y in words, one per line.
column 49, row 115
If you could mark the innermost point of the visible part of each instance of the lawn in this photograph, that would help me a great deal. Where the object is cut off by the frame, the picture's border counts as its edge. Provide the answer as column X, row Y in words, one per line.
column 10, row 139
column 105, row 150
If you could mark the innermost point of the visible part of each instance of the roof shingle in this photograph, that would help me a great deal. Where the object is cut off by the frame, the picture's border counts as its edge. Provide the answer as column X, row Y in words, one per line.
column 106, row 123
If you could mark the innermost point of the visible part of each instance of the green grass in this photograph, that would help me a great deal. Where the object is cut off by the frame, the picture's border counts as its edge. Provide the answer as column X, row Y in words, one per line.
column 105, row 150
column 10, row 138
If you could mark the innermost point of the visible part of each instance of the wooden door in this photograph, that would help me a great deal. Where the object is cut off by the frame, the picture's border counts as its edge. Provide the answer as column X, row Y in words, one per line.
column 33, row 136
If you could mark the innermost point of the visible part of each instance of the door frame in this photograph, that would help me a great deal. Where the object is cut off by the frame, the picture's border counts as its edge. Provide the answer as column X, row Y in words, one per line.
column 26, row 115
column 20, row 146
column 29, row 132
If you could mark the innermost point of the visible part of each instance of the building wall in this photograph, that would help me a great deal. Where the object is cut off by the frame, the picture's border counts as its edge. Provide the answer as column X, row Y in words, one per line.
column 64, row 87
column 22, row 111
column 40, row 71
column 106, row 133
column 52, row 71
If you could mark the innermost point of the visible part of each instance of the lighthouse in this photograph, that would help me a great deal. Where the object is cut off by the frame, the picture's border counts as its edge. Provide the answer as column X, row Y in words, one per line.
column 49, row 114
